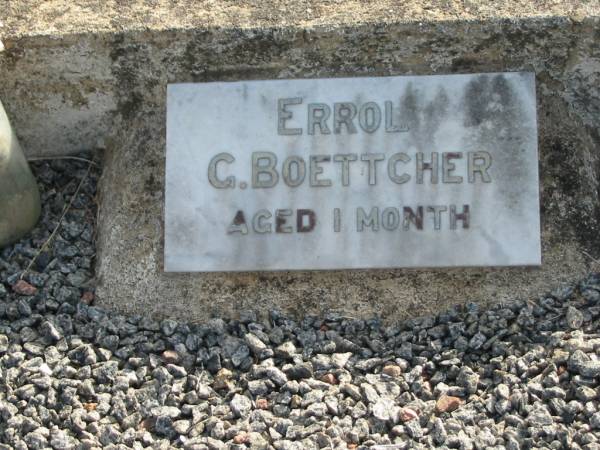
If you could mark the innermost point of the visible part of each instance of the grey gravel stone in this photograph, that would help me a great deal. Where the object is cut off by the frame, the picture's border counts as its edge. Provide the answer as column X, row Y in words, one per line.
column 164, row 426
column 299, row 371
column 574, row 318
column 182, row 427
column 525, row 374
column 286, row 350
column 258, row 387
column 385, row 409
column 468, row 380
column 585, row 393
column 168, row 411
column 255, row 344
column 241, row 405
column 84, row 355
column 60, row 440
column 276, row 375
column 3, row 343
column 168, row 327
column 438, row 431
column 49, row 329
column 589, row 369
column 539, row 416
column 477, row 341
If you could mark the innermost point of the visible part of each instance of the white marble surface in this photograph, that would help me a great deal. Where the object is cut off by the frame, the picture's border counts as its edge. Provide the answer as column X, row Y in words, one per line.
column 491, row 117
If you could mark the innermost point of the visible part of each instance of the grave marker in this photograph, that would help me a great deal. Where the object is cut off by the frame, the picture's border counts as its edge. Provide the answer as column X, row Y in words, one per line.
column 348, row 173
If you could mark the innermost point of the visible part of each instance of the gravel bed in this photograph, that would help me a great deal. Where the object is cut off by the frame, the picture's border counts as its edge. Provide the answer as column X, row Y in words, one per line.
column 518, row 375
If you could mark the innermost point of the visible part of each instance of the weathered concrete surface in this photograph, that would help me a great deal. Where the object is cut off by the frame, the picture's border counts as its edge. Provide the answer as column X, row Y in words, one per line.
column 62, row 88
column 111, row 83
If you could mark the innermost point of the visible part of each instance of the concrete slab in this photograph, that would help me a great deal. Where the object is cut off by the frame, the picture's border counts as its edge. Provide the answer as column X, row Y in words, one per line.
column 102, row 81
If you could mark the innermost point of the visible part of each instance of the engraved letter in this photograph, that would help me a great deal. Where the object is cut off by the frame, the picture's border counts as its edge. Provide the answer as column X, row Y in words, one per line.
column 480, row 162
column 410, row 216
column 267, row 169
column 344, row 113
column 228, row 182
column 287, row 171
column 345, row 159
column 280, row 221
column 448, row 167
column 238, row 224
column 258, row 224
column 437, row 215
column 318, row 113
column 398, row 179
column 422, row 166
column 301, row 227
column 372, row 220
column 315, row 170
column 336, row 220
column 283, row 115
column 369, row 117
column 464, row 216
column 390, row 127
column 372, row 159
column 390, row 218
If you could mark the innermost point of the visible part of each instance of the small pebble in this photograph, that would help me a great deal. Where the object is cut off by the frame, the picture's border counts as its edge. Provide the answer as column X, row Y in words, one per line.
column 22, row 287
column 447, row 403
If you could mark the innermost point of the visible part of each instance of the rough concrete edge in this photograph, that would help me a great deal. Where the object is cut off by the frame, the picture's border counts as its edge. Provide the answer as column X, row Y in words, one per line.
column 580, row 258
column 313, row 27
column 103, row 119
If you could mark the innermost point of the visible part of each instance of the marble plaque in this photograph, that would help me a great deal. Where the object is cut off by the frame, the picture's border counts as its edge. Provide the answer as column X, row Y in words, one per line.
column 349, row 173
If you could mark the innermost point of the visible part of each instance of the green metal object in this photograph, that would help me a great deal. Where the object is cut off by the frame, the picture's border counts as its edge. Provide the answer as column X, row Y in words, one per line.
column 19, row 194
